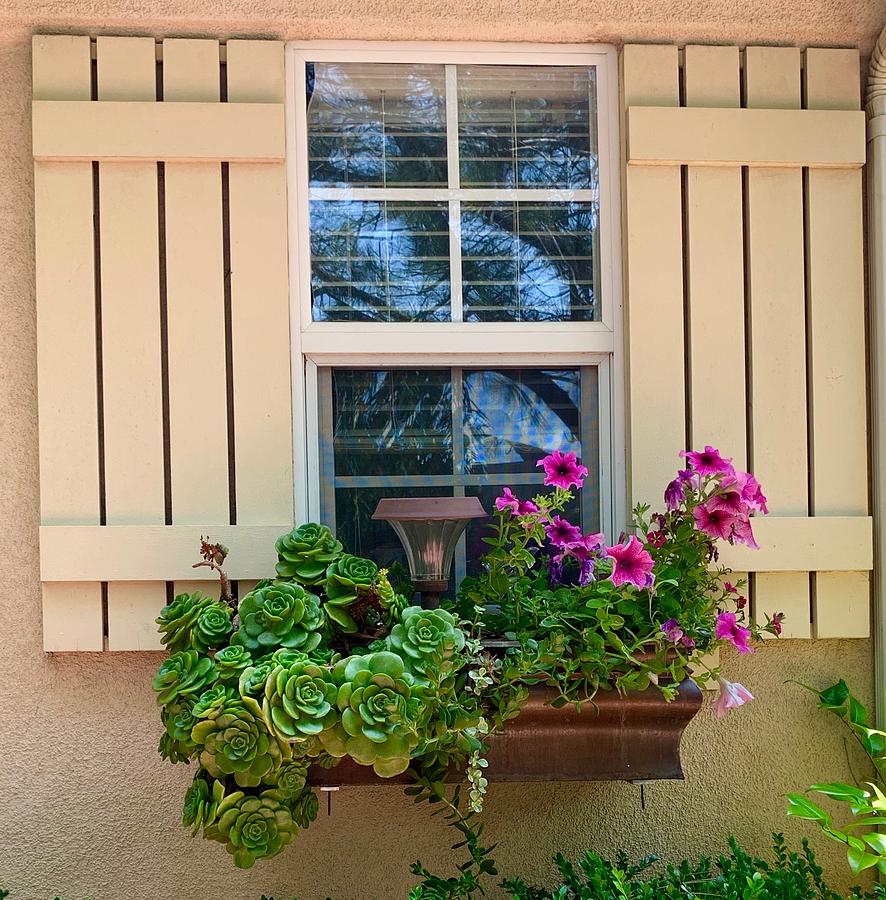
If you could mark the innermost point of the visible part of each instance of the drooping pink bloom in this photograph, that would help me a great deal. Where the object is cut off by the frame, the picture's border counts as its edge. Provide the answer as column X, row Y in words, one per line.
column 708, row 461
column 688, row 643
column 717, row 523
column 732, row 695
column 730, row 501
column 729, row 587
column 563, row 470
column 562, row 533
column 743, row 533
column 728, row 629
column 676, row 490
column 507, row 501
column 672, row 630
column 632, row 563
column 752, row 494
column 776, row 621
column 526, row 507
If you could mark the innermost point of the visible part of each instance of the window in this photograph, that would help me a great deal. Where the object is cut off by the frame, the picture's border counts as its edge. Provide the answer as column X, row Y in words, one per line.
column 456, row 282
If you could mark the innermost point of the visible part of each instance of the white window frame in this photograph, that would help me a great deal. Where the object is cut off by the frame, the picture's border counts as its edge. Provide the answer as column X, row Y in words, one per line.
column 467, row 344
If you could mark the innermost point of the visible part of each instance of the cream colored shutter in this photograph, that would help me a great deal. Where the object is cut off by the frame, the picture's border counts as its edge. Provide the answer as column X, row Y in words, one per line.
column 163, row 324
column 745, row 302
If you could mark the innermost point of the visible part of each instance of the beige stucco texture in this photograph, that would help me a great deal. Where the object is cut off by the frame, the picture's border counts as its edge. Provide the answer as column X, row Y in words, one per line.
column 87, row 807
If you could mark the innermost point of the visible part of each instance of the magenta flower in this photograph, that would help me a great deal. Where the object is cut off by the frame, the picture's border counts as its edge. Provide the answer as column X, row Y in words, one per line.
column 688, row 643
column 507, row 501
column 562, row 533
column 743, row 533
column 563, row 470
column 728, row 629
column 741, row 603
column 717, row 523
column 732, row 695
column 776, row 621
column 632, row 564
column 526, row 507
column 729, row 587
column 672, row 631
column 676, row 490
column 708, row 461
column 752, row 493
column 655, row 538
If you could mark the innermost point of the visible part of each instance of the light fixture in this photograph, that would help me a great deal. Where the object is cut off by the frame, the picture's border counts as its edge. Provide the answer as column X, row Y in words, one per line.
column 429, row 529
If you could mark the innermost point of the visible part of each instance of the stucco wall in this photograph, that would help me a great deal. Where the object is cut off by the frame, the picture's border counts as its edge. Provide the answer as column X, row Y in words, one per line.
column 89, row 809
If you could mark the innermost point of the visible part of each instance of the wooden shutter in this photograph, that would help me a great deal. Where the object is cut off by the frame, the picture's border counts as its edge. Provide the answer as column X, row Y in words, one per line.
column 163, row 324
column 745, row 300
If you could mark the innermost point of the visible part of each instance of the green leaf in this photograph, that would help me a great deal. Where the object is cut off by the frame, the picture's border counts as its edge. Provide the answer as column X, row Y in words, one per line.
column 835, row 696
column 876, row 841
column 859, row 860
column 801, row 808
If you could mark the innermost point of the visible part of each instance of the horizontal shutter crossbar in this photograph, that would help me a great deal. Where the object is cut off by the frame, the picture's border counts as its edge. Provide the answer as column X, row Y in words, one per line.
column 127, row 131
column 153, row 552
column 699, row 136
column 799, row 544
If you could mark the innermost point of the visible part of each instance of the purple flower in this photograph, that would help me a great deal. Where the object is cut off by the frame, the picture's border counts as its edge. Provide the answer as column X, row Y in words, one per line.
column 563, row 470
column 732, row 695
column 586, row 575
column 656, row 539
column 561, row 533
column 728, row 629
column 708, row 461
column 688, row 643
column 743, row 533
column 717, row 523
column 676, row 490
column 672, row 630
column 632, row 564
column 776, row 621
column 507, row 501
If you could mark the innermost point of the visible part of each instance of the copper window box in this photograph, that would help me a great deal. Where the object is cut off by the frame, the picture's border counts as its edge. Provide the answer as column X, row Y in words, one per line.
column 617, row 738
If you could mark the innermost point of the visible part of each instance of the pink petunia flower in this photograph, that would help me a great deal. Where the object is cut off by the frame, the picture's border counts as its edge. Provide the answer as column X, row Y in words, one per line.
column 688, row 643
column 655, row 538
column 776, row 621
column 563, row 470
column 742, row 533
column 507, row 501
column 562, row 533
column 732, row 695
column 717, row 523
column 728, row 629
column 708, row 461
column 729, row 587
column 632, row 564
column 676, row 490
column 672, row 630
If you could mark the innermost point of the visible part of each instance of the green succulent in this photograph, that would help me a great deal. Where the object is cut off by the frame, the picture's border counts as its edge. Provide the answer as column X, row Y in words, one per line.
column 305, row 553
column 211, row 702
column 280, row 614
column 346, row 578
column 291, row 776
column 252, row 827
column 284, row 657
column 299, row 700
column 177, row 619
column 252, row 680
column 389, row 599
column 237, row 742
column 304, row 807
column 184, row 673
column 178, row 719
column 171, row 750
column 201, row 803
column 212, row 627
column 378, row 712
column 428, row 640
column 231, row 661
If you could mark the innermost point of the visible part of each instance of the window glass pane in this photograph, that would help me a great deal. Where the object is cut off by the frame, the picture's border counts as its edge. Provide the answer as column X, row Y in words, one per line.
column 380, row 261
column 444, row 432
column 527, row 127
column 376, row 125
column 529, row 262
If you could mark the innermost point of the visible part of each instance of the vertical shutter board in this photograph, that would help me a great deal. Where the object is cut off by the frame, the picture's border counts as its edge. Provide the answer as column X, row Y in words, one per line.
column 835, row 279
column 260, row 305
column 195, row 311
column 656, row 419
column 130, row 309
column 66, row 358
column 778, row 332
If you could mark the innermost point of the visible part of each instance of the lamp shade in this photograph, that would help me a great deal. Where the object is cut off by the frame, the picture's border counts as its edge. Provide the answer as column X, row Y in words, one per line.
column 429, row 529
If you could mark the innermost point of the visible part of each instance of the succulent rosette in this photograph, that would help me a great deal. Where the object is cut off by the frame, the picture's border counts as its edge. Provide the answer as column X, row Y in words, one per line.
column 212, row 627
column 201, row 803
column 346, row 579
column 252, row 827
column 178, row 719
column 306, row 552
column 299, row 701
column 237, row 742
column 185, row 673
column 252, row 680
column 280, row 614
column 378, row 713
column 231, row 661
column 211, row 702
column 290, row 778
column 304, row 807
column 177, row 619
column 428, row 640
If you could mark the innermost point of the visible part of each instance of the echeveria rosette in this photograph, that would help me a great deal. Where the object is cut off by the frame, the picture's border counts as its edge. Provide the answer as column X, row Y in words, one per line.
column 428, row 641
column 183, row 674
column 252, row 680
column 211, row 702
column 201, row 803
column 280, row 614
column 252, row 827
column 290, row 777
column 177, row 619
column 299, row 701
column 237, row 742
column 212, row 627
column 306, row 552
column 346, row 579
column 304, row 807
column 176, row 744
column 378, row 713
column 231, row 661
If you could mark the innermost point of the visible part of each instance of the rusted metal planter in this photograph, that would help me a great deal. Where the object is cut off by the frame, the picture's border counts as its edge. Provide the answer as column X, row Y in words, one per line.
column 635, row 737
